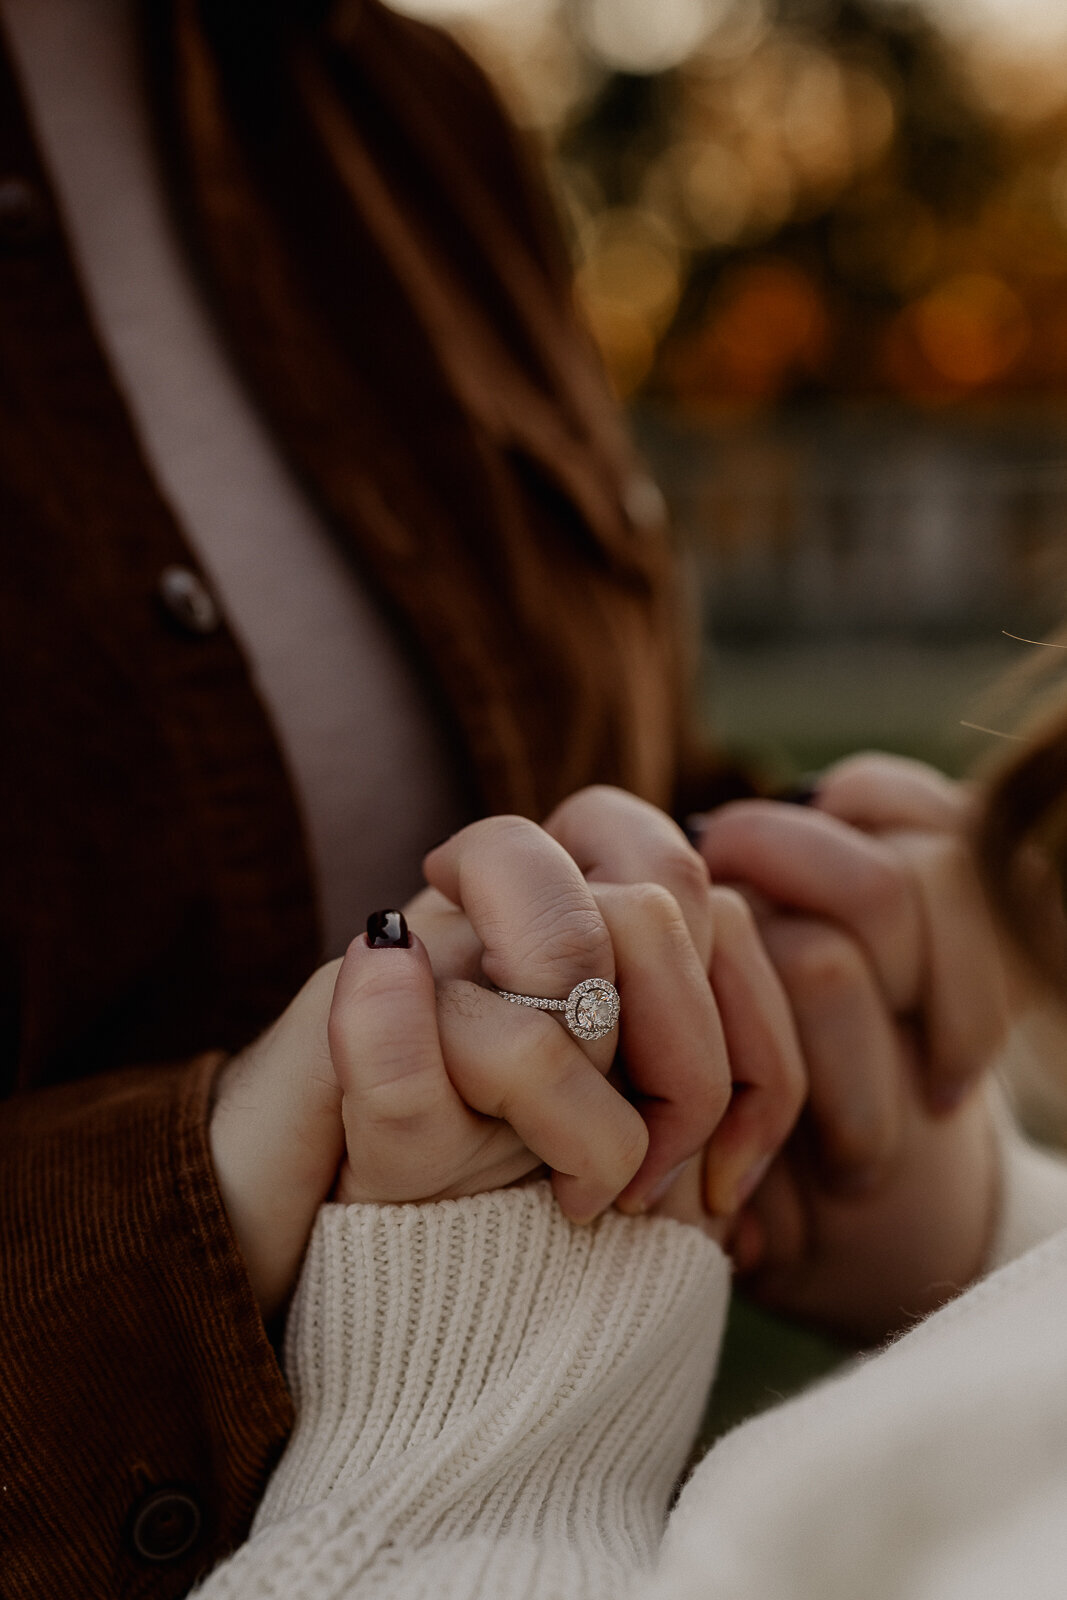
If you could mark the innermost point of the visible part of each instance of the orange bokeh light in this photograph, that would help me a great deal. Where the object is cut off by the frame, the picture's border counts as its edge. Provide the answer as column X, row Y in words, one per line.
column 965, row 334
column 972, row 328
column 768, row 328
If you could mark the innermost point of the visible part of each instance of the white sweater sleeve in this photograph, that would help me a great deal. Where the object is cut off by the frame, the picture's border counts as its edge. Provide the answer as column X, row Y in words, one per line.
column 1033, row 1195
column 490, row 1402
column 1033, row 1179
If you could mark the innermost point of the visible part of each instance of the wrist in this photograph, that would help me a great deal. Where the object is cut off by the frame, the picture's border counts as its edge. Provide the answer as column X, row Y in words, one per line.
column 245, row 1195
column 276, row 1141
column 494, row 1319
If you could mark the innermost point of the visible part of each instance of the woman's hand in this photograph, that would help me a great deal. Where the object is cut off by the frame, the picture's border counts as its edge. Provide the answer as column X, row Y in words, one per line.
column 696, row 1059
column 445, row 1094
column 870, row 910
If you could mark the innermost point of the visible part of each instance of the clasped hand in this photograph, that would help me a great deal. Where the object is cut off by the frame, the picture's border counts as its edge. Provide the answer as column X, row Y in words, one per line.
column 397, row 1074
column 883, row 1202
column 851, row 969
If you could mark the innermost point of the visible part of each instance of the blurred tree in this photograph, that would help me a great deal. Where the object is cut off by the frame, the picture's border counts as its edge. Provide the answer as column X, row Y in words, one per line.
column 781, row 199
column 840, row 184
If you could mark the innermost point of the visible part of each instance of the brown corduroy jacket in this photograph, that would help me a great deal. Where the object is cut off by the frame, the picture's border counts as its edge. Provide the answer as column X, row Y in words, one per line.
column 386, row 272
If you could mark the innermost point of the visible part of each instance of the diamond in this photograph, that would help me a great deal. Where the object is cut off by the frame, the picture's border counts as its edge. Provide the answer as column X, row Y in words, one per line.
column 594, row 1011
column 592, row 1008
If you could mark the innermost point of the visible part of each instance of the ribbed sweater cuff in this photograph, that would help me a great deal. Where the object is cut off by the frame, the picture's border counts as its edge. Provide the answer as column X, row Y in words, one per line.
column 489, row 1400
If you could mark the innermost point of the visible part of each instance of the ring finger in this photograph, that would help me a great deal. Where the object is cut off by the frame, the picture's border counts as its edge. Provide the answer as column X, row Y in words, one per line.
column 520, row 1066
column 538, row 922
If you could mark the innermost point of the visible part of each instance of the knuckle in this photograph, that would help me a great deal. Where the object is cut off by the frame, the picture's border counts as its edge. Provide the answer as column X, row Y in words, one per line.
column 732, row 911
column 583, row 806
column 507, row 831
column 866, row 767
column 887, row 894
column 652, row 904
column 686, row 871
column 566, row 927
column 656, row 917
column 562, row 932
column 596, row 795
column 822, row 964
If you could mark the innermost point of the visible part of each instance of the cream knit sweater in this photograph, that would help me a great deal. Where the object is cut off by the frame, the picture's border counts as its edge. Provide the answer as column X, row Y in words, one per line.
column 490, row 1401
column 495, row 1405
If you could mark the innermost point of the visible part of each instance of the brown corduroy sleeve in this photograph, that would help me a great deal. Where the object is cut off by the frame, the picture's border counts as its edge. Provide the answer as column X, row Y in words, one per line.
column 141, row 1405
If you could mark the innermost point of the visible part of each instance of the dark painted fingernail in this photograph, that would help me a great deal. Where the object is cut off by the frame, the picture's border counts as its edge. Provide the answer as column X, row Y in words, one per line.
column 388, row 930
column 804, row 792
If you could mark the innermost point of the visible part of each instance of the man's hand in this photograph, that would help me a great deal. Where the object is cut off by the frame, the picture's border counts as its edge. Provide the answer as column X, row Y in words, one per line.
column 869, row 908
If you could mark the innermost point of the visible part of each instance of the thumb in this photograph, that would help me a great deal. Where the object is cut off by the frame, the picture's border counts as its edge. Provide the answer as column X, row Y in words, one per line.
column 397, row 1100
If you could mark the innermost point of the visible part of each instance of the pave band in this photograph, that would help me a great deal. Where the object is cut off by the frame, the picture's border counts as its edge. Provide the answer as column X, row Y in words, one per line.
column 591, row 1009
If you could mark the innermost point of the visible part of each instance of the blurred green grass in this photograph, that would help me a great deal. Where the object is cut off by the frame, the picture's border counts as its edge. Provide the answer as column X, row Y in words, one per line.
column 799, row 706
column 764, row 1360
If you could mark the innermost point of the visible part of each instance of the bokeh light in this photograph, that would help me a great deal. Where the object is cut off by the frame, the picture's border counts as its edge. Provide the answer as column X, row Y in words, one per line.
column 972, row 328
column 634, row 36
column 771, row 199
column 1024, row 26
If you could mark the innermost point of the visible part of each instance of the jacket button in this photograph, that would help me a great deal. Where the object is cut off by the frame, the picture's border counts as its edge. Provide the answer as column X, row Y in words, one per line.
column 25, row 215
column 165, row 1525
column 188, row 600
column 644, row 504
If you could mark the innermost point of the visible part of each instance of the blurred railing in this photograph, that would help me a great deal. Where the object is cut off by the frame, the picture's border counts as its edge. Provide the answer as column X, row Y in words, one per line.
column 838, row 526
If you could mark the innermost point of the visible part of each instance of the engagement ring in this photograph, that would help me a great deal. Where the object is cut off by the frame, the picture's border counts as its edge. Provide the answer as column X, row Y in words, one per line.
column 591, row 1009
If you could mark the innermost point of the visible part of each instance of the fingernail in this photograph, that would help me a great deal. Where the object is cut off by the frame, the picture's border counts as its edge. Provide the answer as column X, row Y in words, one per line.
column 751, row 1180
column 388, row 930
column 694, row 826
column 658, row 1190
column 730, row 1186
column 804, row 792
column 581, row 1200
